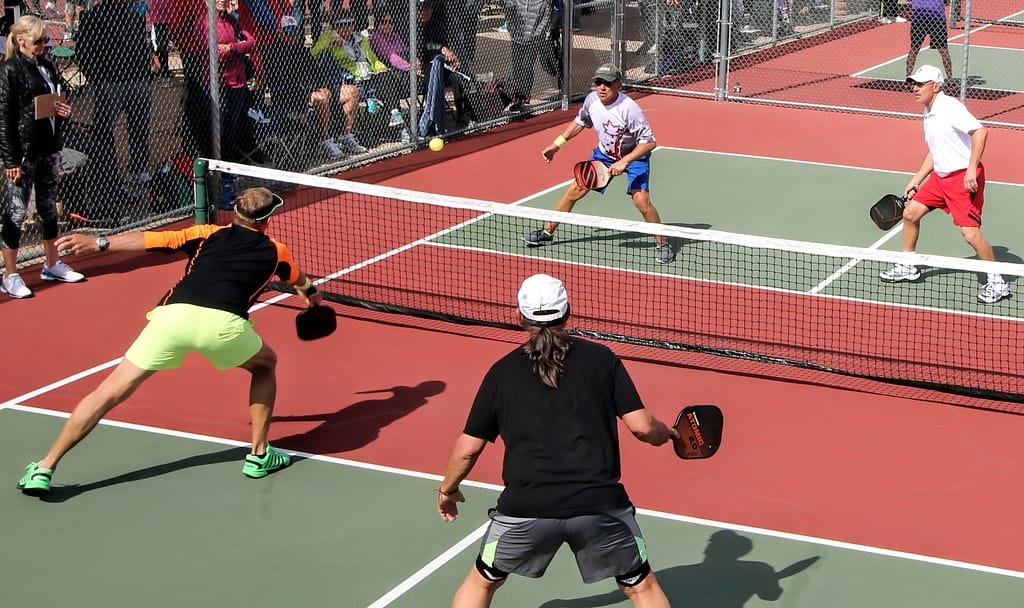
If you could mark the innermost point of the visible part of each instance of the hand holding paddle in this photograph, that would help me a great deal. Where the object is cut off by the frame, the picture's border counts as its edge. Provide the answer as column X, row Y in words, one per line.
column 699, row 429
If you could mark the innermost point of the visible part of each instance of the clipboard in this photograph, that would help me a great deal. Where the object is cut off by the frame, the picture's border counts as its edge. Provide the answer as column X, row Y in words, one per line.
column 46, row 105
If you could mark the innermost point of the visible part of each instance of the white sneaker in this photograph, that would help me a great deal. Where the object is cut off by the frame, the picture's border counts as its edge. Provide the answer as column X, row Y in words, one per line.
column 61, row 272
column 332, row 149
column 14, row 286
column 350, row 145
column 900, row 20
column 900, row 272
column 397, row 120
column 884, row 20
column 994, row 291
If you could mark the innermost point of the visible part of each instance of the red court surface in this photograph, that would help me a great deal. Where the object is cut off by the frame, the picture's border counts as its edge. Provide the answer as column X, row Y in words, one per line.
column 854, row 466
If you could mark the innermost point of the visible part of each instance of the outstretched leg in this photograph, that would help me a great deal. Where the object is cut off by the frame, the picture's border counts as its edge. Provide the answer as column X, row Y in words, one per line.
column 117, row 387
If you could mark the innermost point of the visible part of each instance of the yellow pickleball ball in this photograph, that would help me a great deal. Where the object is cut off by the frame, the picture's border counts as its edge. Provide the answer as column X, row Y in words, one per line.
column 436, row 144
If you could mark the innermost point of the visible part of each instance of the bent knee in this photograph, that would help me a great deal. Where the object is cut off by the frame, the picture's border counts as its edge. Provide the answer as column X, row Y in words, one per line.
column 263, row 361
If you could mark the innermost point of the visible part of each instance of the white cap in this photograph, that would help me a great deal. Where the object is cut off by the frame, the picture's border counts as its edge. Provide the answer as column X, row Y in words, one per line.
column 927, row 73
column 287, row 21
column 542, row 298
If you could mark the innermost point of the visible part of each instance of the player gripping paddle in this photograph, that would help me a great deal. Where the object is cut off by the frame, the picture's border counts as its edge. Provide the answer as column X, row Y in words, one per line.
column 699, row 432
column 888, row 211
column 591, row 174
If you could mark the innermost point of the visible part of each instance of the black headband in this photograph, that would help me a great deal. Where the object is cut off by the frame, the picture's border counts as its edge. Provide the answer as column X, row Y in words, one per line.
column 258, row 215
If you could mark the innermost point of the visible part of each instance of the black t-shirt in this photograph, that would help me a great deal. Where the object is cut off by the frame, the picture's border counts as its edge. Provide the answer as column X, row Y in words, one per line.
column 561, row 445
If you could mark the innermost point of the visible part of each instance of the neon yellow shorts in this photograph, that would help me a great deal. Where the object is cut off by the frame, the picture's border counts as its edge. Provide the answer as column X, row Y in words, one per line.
column 176, row 330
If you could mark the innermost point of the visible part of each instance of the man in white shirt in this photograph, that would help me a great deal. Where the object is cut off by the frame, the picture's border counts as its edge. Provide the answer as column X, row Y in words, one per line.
column 624, row 144
column 956, row 184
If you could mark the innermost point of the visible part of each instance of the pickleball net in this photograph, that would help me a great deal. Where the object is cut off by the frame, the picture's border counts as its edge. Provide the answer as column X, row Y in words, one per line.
column 806, row 305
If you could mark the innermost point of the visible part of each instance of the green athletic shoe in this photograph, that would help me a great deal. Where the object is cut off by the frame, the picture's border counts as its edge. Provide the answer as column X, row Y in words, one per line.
column 36, row 480
column 261, row 466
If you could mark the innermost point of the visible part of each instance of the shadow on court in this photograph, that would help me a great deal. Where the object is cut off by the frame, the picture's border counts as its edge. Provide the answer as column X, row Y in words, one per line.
column 722, row 580
column 62, row 493
column 633, row 240
column 358, row 424
column 1002, row 254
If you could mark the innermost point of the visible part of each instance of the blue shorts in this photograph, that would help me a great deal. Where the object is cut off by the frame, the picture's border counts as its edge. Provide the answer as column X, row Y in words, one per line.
column 638, row 172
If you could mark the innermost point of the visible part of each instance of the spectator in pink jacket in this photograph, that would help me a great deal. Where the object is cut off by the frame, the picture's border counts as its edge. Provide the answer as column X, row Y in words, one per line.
column 388, row 45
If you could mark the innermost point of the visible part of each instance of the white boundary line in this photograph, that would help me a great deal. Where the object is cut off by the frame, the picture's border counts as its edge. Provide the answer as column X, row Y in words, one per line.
column 435, row 564
column 469, row 539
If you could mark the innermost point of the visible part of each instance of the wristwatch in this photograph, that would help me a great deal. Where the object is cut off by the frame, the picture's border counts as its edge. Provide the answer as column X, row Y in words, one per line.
column 102, row 243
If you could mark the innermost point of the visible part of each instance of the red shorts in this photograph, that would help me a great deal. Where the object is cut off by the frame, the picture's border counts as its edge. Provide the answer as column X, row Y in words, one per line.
column 948, row 193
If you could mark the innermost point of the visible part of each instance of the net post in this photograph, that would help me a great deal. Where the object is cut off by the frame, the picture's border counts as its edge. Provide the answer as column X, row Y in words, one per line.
column 199, row 189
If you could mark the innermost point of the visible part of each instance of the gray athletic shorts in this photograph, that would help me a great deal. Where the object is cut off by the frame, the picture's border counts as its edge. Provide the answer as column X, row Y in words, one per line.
column 606, row 545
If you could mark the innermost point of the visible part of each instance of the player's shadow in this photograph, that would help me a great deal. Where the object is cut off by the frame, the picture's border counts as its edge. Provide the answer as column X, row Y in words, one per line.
column 359, row 423
column 1002, row 253
column 62, row 493
column 632, row 240
column 722, row 580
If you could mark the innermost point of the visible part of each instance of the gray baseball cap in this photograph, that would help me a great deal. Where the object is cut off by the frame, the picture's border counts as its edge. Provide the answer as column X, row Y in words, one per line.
column 608, row 72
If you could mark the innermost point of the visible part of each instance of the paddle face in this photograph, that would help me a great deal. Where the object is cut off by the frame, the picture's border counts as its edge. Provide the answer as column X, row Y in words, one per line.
column 315, row 322
column 888, row 211
column 700, row 431
column 591, row 174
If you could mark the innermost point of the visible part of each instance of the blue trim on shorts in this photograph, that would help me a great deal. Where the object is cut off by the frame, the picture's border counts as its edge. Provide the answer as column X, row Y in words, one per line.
column 638, row 172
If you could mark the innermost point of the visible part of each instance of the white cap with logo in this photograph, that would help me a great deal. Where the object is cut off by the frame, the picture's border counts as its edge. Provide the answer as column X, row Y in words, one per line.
column 543, row 299
column 927, row 73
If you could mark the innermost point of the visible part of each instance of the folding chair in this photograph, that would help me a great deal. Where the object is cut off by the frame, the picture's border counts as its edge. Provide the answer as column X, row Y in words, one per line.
column 282, row 140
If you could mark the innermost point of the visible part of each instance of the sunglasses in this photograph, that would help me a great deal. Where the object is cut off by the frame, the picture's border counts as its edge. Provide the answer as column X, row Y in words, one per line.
column 43, row 40
column 598, row 82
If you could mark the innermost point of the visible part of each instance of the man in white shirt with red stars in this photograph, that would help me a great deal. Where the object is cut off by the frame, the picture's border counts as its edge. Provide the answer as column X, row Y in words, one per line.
column 624, row 144
column 955, row 178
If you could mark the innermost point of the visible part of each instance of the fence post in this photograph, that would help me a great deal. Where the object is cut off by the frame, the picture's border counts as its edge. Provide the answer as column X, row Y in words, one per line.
column 724, row 48
column 199, row 190
column 966, row 66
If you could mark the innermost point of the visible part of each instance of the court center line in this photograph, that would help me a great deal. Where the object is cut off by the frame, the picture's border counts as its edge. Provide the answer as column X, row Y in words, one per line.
column 853, row 262
column 434, row 565
column 904, row 555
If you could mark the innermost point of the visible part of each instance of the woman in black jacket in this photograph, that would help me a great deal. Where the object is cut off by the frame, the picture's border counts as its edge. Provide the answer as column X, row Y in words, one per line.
column 30, row 149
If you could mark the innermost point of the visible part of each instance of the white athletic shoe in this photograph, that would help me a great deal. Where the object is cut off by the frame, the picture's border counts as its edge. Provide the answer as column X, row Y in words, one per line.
column 14, row 286
column 900, row 272
column 61, row 272
column 994, row 291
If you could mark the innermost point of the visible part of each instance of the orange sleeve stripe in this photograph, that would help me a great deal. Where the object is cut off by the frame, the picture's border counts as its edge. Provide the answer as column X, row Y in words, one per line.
column 284, row 256
column 176, row 239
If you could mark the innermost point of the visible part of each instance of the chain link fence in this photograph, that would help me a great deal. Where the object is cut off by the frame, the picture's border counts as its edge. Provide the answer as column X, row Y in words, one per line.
column 319, row 86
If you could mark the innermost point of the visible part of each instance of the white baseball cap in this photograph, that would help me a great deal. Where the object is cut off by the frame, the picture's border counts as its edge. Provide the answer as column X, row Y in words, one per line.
column 543, row 299
column 927, row 73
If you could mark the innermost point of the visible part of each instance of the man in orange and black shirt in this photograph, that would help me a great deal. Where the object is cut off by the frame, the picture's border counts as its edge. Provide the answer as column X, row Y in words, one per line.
column 205, row 312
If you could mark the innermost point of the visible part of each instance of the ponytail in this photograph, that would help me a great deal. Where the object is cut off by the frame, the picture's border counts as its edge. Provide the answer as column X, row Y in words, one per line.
column 547, row 348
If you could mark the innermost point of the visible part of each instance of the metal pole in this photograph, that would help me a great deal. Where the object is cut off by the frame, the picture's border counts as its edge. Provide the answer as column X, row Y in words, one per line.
column 211, row 24
column 724, row 48
column 617, row 44
column 567, row 42
column 414, row 87
column 965, row 67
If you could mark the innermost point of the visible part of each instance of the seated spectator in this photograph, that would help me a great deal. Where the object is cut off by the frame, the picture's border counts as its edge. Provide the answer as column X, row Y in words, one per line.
column 294, row 82
column 388, row 45
column 353, row 55
column 432, row 40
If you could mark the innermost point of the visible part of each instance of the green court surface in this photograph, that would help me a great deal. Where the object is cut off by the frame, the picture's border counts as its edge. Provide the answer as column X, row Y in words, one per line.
column 773, row 198
column 988, row 67
column 162, row 521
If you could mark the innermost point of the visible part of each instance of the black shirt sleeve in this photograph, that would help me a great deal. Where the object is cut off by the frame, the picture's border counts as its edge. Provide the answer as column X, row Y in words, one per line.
column 482, row 421
column 626, row 397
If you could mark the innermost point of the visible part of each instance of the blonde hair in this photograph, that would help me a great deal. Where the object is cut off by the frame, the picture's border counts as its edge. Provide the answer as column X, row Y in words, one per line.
column 26, row 25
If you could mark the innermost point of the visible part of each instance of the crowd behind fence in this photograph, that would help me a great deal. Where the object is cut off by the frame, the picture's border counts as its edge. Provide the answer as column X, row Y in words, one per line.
column 318, row 86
